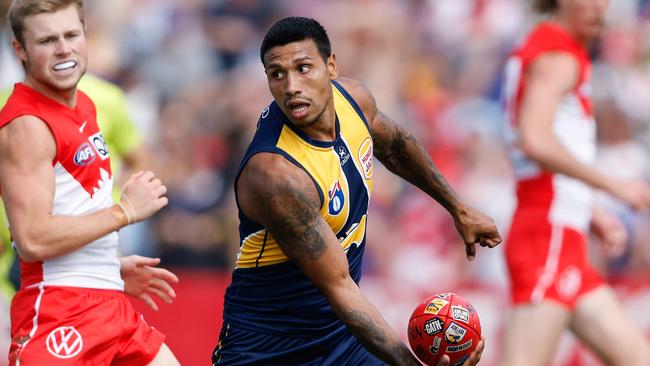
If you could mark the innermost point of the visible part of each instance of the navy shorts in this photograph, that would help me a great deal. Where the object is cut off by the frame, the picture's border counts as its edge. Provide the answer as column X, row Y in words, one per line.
column 241, row 347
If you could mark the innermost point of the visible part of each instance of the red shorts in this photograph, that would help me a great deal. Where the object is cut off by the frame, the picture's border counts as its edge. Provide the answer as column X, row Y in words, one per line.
column 547, row 262
column 55, row 325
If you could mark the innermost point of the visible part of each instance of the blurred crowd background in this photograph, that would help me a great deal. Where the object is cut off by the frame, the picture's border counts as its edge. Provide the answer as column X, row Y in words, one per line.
column 195, row 86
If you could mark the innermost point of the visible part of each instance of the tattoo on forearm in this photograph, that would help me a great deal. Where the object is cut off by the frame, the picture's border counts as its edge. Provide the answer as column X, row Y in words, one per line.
column 375, row 338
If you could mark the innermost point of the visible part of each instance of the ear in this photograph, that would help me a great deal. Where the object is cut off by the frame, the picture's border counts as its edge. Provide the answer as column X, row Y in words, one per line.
column 19, row 49
column 332, row 68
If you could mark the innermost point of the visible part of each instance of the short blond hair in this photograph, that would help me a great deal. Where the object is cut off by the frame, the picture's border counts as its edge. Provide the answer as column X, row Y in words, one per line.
column 545, row 6
column 21, row 9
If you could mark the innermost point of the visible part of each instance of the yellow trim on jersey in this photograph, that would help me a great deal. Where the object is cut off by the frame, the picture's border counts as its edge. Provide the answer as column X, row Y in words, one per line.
column 325, row 167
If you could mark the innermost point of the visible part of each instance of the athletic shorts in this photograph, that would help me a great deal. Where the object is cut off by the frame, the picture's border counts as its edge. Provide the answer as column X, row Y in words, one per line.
column 243, row 347
column 53, row 325
column 548, row 262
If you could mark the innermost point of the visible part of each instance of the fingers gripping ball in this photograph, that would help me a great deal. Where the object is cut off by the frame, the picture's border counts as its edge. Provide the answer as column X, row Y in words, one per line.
column 444, row 324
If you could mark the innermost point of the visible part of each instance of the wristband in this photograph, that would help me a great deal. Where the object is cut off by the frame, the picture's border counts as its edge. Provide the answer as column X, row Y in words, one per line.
column 126, row 213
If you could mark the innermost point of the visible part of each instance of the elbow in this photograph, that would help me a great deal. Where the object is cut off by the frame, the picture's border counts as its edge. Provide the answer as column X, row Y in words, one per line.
column 531, row 148
column 29, row 251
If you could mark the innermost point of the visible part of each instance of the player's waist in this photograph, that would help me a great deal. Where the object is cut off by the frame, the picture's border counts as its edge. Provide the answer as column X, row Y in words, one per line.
column 277, row 299
column 93, row 266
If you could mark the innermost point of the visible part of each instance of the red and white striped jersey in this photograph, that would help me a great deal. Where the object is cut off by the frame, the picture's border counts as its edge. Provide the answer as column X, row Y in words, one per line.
column 83, row 184
column 568, row 201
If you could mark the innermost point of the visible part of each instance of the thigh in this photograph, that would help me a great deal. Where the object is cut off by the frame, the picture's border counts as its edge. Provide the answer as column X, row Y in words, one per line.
column 55, row 326
column 165, row 357
column 141, row 342
column 540, row 325
column 549, row 263
column 600, row 322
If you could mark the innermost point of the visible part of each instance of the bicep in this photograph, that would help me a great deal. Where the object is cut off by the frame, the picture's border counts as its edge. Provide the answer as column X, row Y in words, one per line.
column 548, row 79
column 283, row 198
column 27, row 149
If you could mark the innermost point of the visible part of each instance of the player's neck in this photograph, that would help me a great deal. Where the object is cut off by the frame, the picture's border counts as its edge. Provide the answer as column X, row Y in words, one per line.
column 562, row 23
column 324, row 129
column 66, row 97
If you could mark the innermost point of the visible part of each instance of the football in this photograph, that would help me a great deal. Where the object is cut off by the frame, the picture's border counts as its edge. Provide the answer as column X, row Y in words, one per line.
column 441, row 324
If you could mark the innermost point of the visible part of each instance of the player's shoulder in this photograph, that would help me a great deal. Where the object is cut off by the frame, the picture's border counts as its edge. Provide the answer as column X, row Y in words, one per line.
column 270, row 168
column 25, row 131
column 359, row 92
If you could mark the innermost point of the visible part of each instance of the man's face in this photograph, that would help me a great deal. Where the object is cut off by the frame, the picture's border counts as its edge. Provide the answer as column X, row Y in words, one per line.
column 300, row 81
column 54, row 50
column 585, row 16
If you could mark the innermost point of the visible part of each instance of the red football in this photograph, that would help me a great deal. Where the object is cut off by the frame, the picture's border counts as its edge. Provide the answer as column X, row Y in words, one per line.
column 444, row 324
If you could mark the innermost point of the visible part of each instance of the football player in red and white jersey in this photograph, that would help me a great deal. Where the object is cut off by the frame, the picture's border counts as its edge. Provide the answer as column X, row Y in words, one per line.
column 56, row 181
column 553, row 144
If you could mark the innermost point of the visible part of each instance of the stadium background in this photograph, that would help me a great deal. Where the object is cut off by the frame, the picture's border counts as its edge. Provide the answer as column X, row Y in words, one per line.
column 195, row 86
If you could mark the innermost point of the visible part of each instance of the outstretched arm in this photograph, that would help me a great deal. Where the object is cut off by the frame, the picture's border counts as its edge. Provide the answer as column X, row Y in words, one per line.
column 402, row 154
column 282, row 197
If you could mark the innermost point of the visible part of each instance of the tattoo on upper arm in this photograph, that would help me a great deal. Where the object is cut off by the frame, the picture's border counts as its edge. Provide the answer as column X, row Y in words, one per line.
column 395, row 147
column 403, row 155
column 294, row 220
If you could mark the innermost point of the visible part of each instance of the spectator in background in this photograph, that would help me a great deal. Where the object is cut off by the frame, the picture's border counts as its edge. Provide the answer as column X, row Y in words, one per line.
column 554, row 287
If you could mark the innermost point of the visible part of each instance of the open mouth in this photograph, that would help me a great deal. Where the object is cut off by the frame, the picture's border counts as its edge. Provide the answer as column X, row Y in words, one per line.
column 63, row 66
column 298, row 109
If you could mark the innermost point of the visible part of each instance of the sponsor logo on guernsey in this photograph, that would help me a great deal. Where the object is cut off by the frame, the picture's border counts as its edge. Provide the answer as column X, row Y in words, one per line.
column 343, row 154
column 265, row 112
column 84, row 155
column 64, row 342
column 460, row 347
column 83, row 126
column 433, row 326
column 435, row 306
column 454, row 333
column 365, row 157
column 435, row 346
column 460, row 313
column 337, row 199
column 97, row 140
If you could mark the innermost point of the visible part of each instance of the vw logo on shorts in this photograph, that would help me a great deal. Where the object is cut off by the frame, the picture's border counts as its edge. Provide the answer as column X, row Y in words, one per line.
column 64, row 342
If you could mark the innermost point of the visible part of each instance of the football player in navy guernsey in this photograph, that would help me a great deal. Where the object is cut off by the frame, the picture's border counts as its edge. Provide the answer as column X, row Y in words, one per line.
column 302, row 190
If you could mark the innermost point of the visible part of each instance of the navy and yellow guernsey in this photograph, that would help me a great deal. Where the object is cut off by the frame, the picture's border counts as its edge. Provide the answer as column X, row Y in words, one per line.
column 269, row 293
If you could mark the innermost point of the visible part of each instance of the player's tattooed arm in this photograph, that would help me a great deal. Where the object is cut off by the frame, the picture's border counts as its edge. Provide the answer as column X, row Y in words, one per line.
column 399, row 151
column 403, row 155
column 280, row 196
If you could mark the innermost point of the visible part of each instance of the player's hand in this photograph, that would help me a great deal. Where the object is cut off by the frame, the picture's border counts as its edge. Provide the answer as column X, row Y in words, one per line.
column 473, row 359
column 475, row 227
column 634, row 193
column 142, row 279
column 610, row 231
column 142, row 196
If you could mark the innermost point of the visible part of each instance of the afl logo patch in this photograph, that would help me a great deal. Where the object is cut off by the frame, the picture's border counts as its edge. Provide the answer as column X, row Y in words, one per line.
column 64, row 342
column 365, row 157
column 84, row 155
column 337, row 199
